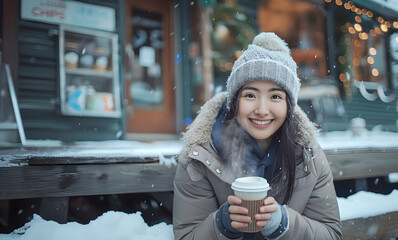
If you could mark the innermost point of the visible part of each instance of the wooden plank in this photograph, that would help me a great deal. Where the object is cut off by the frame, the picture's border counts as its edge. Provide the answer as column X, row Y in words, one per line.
column 61, row 160
column 82, row 180
column 379, row 227
column 362, row 163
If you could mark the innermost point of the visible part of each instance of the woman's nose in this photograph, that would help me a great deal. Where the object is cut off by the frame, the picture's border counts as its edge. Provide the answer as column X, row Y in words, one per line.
column 261, row 109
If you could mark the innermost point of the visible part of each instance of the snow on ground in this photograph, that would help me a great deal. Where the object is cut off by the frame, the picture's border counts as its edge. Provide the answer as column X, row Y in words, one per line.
column 368, row 139
column 367, row 204
column 119, row 225
column 111, row 225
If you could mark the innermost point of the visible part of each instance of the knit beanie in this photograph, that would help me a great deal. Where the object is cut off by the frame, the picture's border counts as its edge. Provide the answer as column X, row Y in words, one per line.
column 267, row 58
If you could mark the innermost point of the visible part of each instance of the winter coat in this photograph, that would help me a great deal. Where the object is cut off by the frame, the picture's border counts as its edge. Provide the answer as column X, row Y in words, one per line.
column 203, row 183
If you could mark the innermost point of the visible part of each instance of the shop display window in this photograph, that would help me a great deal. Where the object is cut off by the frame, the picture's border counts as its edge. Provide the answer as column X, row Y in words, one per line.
column 302, row 25
column 89, row 75
column 146, row 89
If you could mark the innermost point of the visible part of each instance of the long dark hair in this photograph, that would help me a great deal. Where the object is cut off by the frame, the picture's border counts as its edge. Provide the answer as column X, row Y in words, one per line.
column 286, row 134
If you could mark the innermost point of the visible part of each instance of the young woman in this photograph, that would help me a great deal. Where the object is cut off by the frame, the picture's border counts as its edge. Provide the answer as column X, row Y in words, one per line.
column 256, row 129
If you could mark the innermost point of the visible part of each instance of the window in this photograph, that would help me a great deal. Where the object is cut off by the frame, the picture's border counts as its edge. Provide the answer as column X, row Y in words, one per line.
column 360, row 50
column 302, row 26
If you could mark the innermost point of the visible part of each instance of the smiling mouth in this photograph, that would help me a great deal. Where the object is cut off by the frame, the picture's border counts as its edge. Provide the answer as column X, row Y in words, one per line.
column 260, row 122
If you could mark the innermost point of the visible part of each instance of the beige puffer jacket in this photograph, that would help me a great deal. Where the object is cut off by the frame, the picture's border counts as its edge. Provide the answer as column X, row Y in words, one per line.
column 203, row 183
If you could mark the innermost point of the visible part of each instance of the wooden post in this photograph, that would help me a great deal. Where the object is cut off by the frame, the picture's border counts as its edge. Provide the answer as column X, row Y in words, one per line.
column 10, row 37
column 208, row 81
column 55, row 208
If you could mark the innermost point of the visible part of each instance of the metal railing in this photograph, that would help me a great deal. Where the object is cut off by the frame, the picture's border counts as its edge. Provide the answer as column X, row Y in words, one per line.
column 6, row 80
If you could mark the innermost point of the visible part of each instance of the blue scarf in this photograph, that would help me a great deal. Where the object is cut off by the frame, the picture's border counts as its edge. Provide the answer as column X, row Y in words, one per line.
column 263, row 163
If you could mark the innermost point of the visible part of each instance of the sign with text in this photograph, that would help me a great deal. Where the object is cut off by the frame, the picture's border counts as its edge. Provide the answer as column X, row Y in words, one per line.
column 69, row 12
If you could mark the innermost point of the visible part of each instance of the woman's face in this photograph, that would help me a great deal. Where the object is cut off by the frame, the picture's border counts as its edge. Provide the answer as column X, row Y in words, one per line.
column 262, row 109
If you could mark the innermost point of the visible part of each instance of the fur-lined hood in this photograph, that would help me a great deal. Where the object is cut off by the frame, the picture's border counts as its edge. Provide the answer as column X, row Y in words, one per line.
column 199, row 131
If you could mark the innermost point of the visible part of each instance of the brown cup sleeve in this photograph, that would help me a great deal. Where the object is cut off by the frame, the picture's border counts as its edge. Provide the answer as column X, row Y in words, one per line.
column 254, row 207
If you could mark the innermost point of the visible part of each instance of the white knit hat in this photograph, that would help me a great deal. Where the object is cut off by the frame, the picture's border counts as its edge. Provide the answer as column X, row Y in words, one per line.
column 267, row 58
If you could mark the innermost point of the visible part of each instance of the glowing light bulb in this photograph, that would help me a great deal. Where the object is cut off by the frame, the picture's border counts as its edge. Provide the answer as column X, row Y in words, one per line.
column 372, row 51
column 370, row 14
column 363, row 36
column 375, row 72
column 358, row 27
column 370, row 60
column 342, row 77
column 383, row 28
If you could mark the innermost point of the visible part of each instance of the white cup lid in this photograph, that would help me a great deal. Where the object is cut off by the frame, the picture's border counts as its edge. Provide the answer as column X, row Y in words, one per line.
column 250, row 184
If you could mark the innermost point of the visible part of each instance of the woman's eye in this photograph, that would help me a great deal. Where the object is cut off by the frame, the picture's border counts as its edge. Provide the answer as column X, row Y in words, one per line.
column 276, row 97
column 249, row 95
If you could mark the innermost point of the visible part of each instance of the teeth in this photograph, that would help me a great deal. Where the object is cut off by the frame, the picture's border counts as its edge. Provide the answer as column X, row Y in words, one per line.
column 261, row 122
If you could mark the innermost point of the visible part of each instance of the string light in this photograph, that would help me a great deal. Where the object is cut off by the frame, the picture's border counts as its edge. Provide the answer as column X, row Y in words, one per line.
column 383, row 28
column 384, row 25
column 342, row 77
column 370, row 14
column 375, row 72
column 351, row 30
column 372, row 51
column 370, row 60
column 358, row 27
column 363, row 36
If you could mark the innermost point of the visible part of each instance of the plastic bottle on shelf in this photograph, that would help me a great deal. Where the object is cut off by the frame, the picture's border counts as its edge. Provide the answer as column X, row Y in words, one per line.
column 71, row 54
column 87, row 56
column 101, row 59
column 90, row 97
column 76, row 97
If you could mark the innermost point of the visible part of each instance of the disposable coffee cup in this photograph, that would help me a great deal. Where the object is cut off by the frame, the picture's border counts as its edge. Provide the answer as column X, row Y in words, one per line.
column 252, row 191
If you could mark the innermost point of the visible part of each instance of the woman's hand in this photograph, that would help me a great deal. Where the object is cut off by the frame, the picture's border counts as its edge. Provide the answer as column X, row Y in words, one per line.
column 270, row 206
column 239, row 215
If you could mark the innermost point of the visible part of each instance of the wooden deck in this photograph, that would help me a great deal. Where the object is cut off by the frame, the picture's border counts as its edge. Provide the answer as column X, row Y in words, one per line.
column 54, row 180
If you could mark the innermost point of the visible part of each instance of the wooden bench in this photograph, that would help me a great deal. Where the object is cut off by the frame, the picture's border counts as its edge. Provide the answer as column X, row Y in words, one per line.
column 383, row 226
column 358, row 165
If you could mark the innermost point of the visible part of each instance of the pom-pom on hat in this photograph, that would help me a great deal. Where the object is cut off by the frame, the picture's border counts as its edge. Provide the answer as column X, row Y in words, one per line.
column 267, row 58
